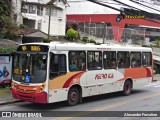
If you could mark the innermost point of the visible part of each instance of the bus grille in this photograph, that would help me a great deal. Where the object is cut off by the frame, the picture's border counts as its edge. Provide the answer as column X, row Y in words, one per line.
column 26, row 91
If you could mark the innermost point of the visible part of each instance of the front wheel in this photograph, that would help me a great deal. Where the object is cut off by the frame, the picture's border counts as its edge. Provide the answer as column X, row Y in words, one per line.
column 127, row 88
column 73, row 96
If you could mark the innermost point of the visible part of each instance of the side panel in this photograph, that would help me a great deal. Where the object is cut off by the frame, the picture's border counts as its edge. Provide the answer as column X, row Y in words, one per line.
column 5, row 69
column 59, row 86
column 102, row 81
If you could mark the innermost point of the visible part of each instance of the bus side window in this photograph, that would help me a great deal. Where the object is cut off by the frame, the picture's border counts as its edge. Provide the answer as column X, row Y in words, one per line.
column 57, row 65
column 146, row 59
column 77, row 60
column 94, row 60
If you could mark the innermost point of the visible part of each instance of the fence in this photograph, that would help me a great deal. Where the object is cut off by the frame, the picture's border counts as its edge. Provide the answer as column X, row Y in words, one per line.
column 106, row 32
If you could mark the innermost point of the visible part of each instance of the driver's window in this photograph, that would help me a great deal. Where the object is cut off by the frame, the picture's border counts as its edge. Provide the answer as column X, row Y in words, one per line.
column 57, row 65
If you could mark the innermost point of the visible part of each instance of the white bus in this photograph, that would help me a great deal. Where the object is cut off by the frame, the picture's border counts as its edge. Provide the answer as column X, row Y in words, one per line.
column 53, row 72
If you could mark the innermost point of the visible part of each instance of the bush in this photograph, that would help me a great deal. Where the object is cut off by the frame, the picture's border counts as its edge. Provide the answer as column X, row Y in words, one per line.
column 7, row 50
column 85, row 39
column 22, row 26
column 72, row 34
column 92, row 41
column 98, row 43
column 158, row 42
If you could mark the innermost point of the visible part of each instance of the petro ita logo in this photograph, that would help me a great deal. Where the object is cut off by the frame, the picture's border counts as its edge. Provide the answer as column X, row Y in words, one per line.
column 120, row 17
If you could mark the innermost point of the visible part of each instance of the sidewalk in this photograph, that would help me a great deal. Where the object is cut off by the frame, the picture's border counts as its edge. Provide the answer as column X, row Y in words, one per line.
column 156, row 77
column 6, row 96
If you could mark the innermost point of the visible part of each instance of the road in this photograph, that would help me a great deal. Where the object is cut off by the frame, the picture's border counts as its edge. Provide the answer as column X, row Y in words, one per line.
column 146, row 98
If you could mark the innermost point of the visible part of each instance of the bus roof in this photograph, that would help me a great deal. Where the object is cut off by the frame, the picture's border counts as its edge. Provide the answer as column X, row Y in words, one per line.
column 102, row 47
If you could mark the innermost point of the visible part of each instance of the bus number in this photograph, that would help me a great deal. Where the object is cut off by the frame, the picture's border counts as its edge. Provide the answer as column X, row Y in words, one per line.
column 35, row 48
column 76, row 81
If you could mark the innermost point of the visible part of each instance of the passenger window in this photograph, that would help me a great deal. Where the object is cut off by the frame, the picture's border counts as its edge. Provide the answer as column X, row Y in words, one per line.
column 123, row 60
column 57, row 65
column 77, row 60
column 94, row 60
column 146, row 59
column 135, row 59
column 109, row 60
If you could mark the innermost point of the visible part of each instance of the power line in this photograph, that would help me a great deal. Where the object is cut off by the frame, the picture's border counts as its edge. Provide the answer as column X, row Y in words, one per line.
column 121, row 11
column 144, row 5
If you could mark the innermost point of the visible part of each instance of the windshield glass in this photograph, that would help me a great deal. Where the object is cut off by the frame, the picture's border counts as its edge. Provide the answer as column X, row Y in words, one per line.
column 30, row 68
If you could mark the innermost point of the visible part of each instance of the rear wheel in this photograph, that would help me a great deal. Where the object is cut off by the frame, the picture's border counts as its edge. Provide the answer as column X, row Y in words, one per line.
column 127, row 88
column 73, row 96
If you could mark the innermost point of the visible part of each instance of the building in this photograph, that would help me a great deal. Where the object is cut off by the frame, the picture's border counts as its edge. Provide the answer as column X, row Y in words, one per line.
column 36, row 15
column 96, row 20
column 17, row 11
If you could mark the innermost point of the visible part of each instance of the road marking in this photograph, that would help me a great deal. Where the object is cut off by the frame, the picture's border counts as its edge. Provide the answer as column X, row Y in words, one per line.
column 157, row 86
column 109, row 106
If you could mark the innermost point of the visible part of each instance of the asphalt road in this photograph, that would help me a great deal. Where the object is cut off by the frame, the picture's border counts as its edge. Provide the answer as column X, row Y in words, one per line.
column 144, row 99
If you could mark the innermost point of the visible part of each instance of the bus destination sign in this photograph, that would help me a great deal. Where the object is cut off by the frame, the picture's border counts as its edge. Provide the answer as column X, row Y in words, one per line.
column 33, row 48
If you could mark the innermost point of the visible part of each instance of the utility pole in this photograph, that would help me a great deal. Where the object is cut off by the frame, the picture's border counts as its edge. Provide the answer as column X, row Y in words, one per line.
column 104, row 32
column 49, row 22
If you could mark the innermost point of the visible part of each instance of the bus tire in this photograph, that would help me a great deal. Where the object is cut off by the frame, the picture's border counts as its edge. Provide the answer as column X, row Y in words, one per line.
column 127, row 88
column 73, row 96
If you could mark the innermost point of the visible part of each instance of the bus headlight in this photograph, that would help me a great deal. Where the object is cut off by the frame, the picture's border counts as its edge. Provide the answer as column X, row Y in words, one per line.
column 41, row 88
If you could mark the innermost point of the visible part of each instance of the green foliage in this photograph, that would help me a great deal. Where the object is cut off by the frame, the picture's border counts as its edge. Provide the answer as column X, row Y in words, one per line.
column 158, row 42
column 22, row 26
column 92, row 41
column 98, row 43
column 8, row 27
column 154, row 46
column 7, row 50
column 5, row 11
column 45, row 40
column 72, row 34
column 85, row 39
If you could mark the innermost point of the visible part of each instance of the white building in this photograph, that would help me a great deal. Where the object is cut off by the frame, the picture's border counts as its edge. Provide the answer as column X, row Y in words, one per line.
column 17, row 11
column 36, row 15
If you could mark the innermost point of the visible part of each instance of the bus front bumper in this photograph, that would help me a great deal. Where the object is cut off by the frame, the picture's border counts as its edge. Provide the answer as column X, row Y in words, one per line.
column 37, row 98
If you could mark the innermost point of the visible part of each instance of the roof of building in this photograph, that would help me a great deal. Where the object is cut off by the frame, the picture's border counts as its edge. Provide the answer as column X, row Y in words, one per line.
column 42, row 1
column 27, row 31
column 5, row 43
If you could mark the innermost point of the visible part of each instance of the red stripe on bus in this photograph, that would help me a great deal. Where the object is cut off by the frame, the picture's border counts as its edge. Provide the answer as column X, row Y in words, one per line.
column 67, row 83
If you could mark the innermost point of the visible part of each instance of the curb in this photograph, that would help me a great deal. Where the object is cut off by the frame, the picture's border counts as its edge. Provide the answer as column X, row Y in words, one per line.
column 10, row 102
column 154, row 80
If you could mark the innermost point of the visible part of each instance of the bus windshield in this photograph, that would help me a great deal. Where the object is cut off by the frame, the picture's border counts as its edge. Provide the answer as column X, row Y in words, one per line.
column 30, row 68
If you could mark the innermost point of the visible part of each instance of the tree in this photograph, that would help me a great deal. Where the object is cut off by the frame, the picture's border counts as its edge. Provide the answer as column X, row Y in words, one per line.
column 8, row 26
column 5, row 11
column 72, row 34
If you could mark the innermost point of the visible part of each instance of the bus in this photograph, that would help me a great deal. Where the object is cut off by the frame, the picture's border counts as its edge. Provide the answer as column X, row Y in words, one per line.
column 54, row 72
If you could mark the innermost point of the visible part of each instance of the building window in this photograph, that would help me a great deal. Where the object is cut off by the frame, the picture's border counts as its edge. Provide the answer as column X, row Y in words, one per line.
column 54, row 12
column 94, row 60
column 32, row 9
column 40, row 10
column 109, row 60
column 123, row 60
column 135, row 59
column 47, row 11
column 39, row 24
column 77, row 60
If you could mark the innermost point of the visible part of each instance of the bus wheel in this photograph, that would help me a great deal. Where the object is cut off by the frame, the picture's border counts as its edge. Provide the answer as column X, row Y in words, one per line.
column 127, row 88
column 73, row 96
